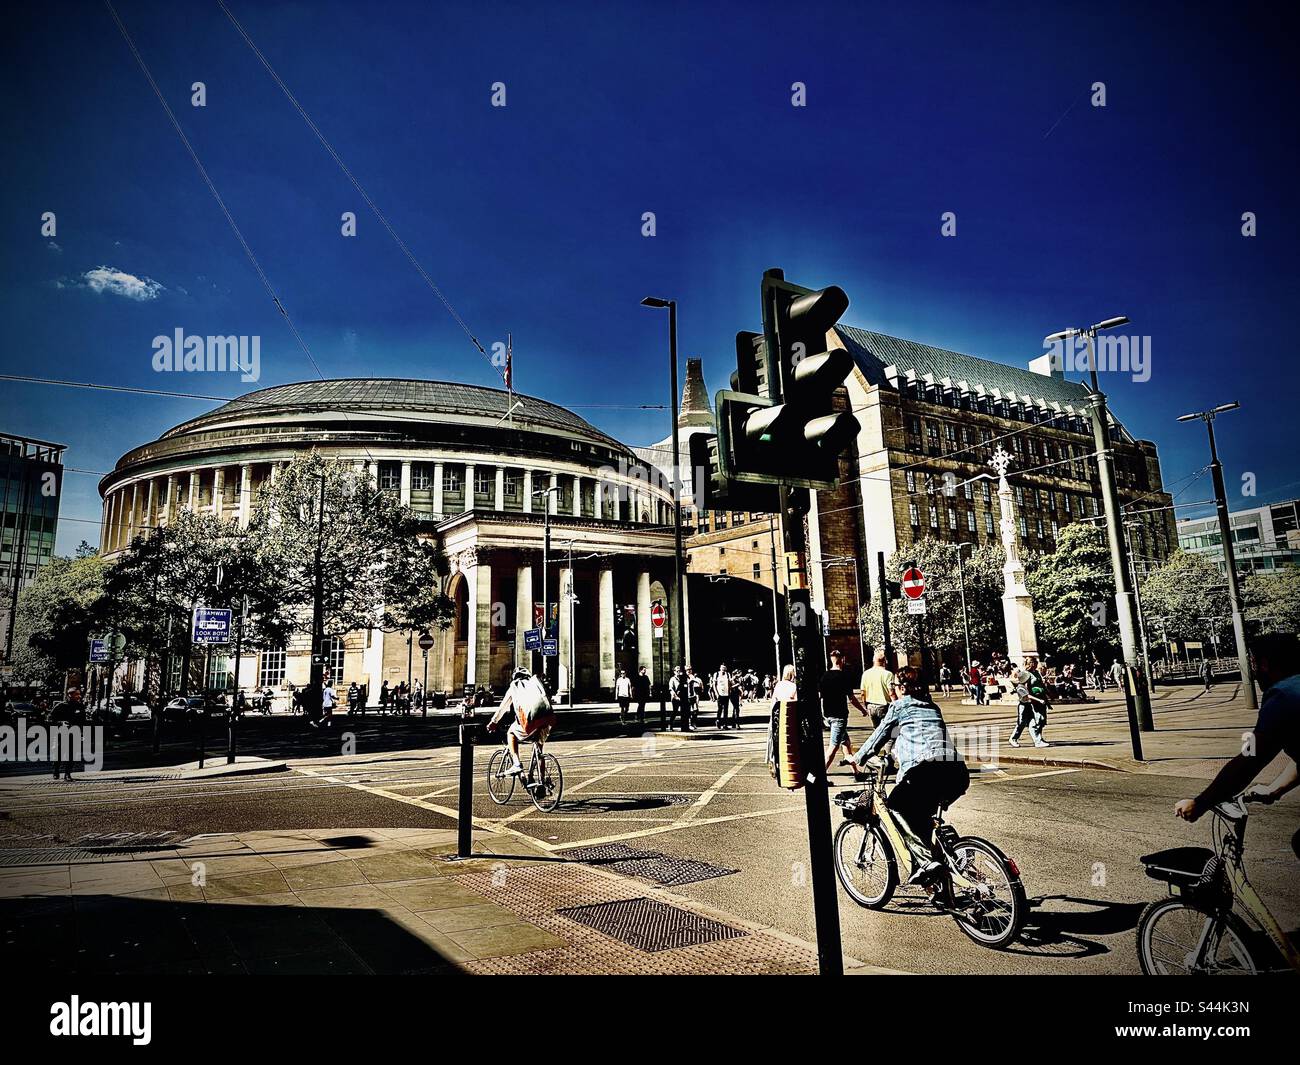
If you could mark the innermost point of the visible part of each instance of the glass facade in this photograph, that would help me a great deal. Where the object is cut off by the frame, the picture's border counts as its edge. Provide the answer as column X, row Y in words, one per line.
column 31, row 481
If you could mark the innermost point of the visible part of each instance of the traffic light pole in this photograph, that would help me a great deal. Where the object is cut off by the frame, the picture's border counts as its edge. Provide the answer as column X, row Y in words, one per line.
column 808, row 675
column 884, row 611
column 1124, row 602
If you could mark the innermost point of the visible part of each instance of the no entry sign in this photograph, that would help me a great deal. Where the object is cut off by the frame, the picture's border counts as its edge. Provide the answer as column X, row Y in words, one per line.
column 658, row 615
column 913, row 583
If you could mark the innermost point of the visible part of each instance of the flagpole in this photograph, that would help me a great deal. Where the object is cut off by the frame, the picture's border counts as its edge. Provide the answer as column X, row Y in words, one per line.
column 510, row 380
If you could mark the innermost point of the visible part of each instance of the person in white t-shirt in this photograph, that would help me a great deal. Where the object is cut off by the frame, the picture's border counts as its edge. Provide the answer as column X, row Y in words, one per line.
column 623, row 693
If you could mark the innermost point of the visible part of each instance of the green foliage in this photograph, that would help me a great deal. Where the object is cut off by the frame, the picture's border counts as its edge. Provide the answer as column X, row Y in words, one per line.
column 1182, row 591
column 53, row 624
column 1271, row 600
column 982, row 573
column 1074, row 594
column 375, row 571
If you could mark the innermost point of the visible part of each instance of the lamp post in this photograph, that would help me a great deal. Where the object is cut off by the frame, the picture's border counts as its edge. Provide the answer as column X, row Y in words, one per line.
column 679, row 612
column 543, row 494
column 1229, row 555
column 961, row 583
column 1137, row 603
column 1124, row 602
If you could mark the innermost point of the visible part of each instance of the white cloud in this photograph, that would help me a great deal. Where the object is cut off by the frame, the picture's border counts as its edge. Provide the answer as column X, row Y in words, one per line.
column 119, row 283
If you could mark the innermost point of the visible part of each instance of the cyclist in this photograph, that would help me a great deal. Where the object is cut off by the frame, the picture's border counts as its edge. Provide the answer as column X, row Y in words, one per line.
column 1276, row 658
column 931, row 772
column 533, row 715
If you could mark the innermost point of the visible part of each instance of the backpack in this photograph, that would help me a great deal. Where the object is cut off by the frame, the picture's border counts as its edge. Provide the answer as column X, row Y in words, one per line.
column 530, row 700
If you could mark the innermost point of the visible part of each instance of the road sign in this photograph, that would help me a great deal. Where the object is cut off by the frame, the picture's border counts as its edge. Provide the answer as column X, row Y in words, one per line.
column 913, row 583
column 211, row 625
column 916, row 606
column 550, row 648
column 658, row 615
column 532, row 639
column 99, row 650
column 426, row 641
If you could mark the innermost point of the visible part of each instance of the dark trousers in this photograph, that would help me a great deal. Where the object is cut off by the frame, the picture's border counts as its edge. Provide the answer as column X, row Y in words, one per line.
column 640, row 710
column 735, row 708
column 926, row 787
column 622, row 708
column 723, row 702
column 681, row 708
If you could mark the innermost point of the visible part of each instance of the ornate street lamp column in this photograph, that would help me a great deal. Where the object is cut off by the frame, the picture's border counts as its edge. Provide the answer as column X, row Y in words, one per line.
column 1017, row 606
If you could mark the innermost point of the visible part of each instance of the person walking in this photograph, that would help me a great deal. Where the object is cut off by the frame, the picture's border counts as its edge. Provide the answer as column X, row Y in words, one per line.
column 722, row 684
column 383, row 699
column 945, row 678
column 695, row 686
column 641, row 689
column 737, row 692
column 977, row 683
column 1032, row 704
column 1207, row 673
column 1117, row 674
column 837, row 693
column 877, row 689
column 679, row 694
column 69, row 711
column 354, row 694
column 623, row 693
column 783, row 691
column 328, row 697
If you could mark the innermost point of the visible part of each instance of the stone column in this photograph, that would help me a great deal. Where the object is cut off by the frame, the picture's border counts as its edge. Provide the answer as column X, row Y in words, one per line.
column 404, row 491
column 106, row 524
column 577, row 496
column 218, row 491
column 483, row 624
column 528, row 491
column 597, row 499
column 605, row 619
column 501, row 488
column 471, row 636
column 553, row 500
column 151, row 503
column 565, row 619
column 133, row 518
column 192, row 503
column 437, row 488
column 644, row 635
column 374, row 474
column 172, row 486
column 523, row 610
column 245, row 493
column 1017, row 606
column 469, row 486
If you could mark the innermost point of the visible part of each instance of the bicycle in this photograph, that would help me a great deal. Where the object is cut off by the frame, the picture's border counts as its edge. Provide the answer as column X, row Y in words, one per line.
column 544, row 780
column 1197, row 929
column 977, row 885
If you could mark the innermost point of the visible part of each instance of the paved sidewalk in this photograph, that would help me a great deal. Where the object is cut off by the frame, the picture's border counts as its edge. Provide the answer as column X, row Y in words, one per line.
column 1195, row 731
column 368, row 901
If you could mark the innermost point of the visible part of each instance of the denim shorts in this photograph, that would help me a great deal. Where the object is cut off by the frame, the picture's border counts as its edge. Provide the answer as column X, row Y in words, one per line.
column 839, row 730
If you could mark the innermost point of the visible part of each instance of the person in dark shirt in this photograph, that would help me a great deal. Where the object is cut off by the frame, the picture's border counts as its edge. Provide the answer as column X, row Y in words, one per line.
column 1276, row 659
column 837, row 692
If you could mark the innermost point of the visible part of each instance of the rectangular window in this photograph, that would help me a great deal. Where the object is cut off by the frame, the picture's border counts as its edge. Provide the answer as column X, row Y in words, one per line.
column 390, row 476
column 968, row 490
column 986, row 491
column 914, row 513
column 1020, row 496
column 988, row 523
column 421, row 478
column 218, row 676
column 970, row 521
column 1024, row 527
column 952, row 518
column 334, row 652
column 270, row 669
column 934, row 517
column 757, row 571
column 451, row 480
column 911, row 481
column 484, row 482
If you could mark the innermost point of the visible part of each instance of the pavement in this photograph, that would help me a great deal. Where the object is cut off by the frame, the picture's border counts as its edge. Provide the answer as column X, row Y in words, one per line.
column 671, row 852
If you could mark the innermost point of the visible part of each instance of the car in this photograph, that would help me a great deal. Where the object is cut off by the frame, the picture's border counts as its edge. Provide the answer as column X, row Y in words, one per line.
column 183, row 707
column 122, row 709
column 28, row 710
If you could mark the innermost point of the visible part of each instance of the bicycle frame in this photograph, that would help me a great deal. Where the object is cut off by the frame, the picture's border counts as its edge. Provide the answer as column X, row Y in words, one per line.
column 1233, row 814
column 897, row 837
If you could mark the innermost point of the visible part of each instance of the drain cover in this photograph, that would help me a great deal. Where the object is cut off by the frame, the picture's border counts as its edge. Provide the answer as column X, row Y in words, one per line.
column 666, row 869
column 650, row 925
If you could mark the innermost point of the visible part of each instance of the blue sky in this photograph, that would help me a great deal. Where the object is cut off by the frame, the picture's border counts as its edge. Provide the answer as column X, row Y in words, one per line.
column 529, row 216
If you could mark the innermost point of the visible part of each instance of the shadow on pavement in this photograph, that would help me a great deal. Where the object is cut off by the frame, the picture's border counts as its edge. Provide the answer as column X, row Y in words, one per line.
column 105, row 935
column 1062, row 932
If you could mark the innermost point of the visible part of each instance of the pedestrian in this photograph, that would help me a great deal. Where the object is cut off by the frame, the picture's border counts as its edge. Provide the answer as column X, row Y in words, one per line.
column 697, row 694
column 1117, row 675
column 363, row 698
column 328, row 697
column 877, row 689
column 679, row 692
column 1032, row 704
column 384, row 695
column 1207, row 673
column 752, row 679
column 836, row 693
column 945, row 679
column 977, row 683
column 641, row 689
column 623, row 693
column 353, row 694
column 69, row 711
column 722, row 684
column 783, row 691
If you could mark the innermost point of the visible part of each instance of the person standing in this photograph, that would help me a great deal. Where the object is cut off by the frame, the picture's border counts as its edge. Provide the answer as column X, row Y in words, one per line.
column 1207, row 673
column 837, row 692
column 641, row 689
column 736, row 693
column 383, row 699
column 1032, row 704
column 783, row 691
column 679, row 693
column 623, row 693
column 695, row 687
column 69, row 711
column 353, row 694
column 945, row 678
column 977, row 683
column 722, row 684
column 877, row 689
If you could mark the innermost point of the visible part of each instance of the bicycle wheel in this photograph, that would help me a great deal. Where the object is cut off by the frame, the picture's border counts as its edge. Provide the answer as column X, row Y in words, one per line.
column 546, row 793
column 1169, row 933
column 865, row 864
column 501, row 785
column 992, row 912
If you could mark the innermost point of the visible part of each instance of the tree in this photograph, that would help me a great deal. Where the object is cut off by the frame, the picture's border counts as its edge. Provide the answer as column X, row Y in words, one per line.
column 374, row 570
column 1183, row 591
column 54, row 622
column 1073, row 589
column 1271, row 600
column 982, row 572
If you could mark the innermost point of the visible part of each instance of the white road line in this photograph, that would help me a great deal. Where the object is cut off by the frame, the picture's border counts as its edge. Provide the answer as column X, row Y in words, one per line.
column 530, row 809
column 693, row 811
column 676, row 826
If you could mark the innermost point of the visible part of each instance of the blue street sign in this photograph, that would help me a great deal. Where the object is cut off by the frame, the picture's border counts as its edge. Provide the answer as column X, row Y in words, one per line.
column 532, row 639
column 211, row 625
column 99, row 650
column 550, row 648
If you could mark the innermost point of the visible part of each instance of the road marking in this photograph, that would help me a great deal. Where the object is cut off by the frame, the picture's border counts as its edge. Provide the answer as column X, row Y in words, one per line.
column 693, row 811
column 675, row 826
column 576, row 787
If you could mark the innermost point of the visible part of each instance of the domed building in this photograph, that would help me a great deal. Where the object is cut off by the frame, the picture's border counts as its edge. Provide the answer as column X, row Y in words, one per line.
column 485, row 472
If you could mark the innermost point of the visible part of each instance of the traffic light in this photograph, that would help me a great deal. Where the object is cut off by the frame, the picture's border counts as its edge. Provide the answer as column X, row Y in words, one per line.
column 786, row 431
column 715, row 492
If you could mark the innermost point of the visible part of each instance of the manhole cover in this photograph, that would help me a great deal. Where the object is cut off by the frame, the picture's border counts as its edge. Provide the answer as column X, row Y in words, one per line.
column 666, row 869
column 649, row 925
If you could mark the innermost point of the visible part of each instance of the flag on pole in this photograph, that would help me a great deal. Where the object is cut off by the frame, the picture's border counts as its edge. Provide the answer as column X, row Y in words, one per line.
column 510, row 355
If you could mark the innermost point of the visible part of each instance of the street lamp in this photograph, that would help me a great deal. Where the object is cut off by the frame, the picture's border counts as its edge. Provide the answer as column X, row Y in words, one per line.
column 543, row 494
column 961, row 583
column 679, row 635
column 1229, row 555
column 1137, row 602
column 1124, row 598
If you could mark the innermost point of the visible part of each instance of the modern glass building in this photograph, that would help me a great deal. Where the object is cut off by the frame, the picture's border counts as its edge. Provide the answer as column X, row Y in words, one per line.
column 1263, row 538
column 31, row 479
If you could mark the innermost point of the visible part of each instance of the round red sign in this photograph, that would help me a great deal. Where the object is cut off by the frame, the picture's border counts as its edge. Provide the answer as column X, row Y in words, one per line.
column 913, row 583
column 658, row 615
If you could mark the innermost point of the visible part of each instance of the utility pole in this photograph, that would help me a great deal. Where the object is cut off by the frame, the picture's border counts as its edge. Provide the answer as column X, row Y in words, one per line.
column 776, row 621
column 1137, row 603
column 1229, row 553
column 318, row 611
column 544, row 494
column 1124, row 601
column 961, row 582
column 884, row 611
